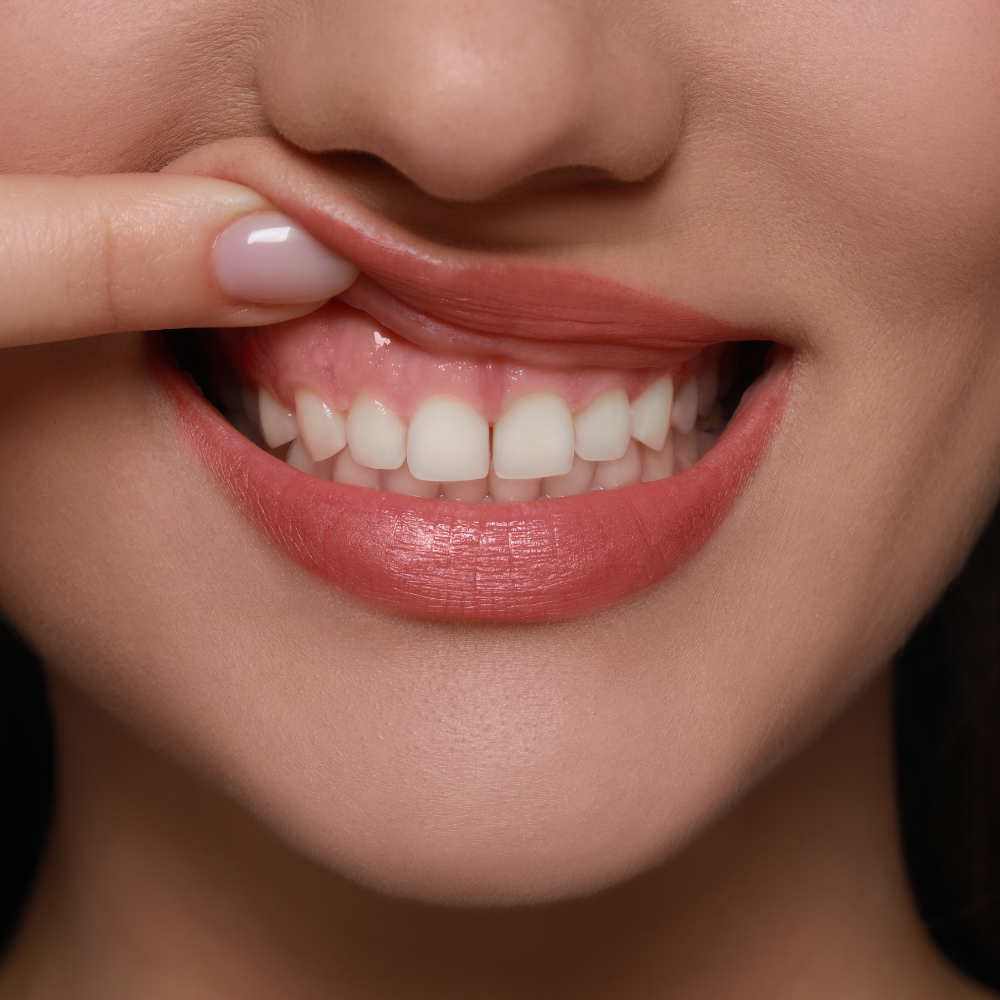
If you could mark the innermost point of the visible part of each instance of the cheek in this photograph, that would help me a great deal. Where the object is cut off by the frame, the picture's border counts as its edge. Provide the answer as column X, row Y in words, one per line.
column 64, row 106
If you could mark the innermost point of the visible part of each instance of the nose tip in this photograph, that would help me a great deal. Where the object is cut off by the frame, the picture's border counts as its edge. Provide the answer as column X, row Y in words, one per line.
column 468, row 98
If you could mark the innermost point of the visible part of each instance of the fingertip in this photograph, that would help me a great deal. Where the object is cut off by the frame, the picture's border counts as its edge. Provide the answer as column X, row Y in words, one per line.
column 267, row 257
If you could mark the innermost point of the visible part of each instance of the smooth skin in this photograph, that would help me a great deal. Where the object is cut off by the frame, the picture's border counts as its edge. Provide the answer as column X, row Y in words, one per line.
column 268, row 789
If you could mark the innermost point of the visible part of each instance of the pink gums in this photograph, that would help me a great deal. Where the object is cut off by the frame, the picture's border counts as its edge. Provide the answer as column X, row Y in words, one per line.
column 517, row 562
column 339, row 352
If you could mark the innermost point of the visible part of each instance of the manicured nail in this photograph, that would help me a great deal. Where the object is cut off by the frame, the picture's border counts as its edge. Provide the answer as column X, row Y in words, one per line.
column 266, row 257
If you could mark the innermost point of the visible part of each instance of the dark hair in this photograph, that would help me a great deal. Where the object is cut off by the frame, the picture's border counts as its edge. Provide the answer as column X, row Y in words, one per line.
column 947, row 709
column 947, row 712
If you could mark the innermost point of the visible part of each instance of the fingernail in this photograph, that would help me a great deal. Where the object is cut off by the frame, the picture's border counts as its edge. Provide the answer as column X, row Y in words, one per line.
column 267, row 257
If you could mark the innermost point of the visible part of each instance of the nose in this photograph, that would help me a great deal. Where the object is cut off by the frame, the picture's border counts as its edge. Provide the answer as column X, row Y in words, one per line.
column 468, row 97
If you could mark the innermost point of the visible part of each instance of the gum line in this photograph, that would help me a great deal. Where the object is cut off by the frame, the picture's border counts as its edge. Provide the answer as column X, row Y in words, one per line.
column 537, row 448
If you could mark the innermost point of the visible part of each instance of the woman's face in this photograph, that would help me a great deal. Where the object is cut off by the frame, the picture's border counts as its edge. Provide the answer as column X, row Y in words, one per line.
column 827, row 175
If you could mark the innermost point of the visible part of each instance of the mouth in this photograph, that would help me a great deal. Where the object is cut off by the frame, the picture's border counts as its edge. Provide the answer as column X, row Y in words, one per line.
column 471, row 440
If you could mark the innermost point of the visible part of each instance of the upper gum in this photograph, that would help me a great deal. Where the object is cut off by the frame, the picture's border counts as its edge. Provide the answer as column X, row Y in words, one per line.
column 302, row 353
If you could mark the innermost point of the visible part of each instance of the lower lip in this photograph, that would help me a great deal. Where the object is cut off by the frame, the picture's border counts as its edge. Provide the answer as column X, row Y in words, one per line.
column 524, row 562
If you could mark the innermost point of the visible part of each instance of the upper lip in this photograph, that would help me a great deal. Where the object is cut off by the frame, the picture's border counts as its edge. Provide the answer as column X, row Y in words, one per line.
column 465, row 301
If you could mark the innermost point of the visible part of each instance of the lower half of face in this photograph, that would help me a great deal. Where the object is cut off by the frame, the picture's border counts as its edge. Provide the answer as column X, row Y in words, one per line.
column 505, row 622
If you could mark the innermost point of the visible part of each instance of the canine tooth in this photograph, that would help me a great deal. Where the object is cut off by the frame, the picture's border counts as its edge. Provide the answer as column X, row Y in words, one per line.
column 651, row 414
column 448, row 441
column 685, row 409
column 534, row 438
column 403, row 481
column 375, row 435
column 578, row 480
column 603, row 429
column 708, row 387
column 472, row 490
column 513, row 490
column 621, row 471
column 686, row 451
column 321, row 428
column 657, row 465
column 277, row 425
column 298, row 457
column 350, row 473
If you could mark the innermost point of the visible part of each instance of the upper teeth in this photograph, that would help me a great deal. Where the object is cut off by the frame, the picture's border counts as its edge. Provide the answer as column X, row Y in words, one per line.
column 651, row 414
column 538, row 445
column 448, row 441
column 322, row 429
column 534, row 438
column 376, row 436
column 603, row 429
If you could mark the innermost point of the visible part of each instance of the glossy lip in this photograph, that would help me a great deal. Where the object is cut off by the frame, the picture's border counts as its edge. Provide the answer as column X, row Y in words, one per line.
column 466, row 301
column 512, row 562
column 516, row 562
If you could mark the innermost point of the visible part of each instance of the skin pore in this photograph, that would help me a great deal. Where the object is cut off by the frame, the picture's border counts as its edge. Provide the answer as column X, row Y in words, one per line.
column 267, row 787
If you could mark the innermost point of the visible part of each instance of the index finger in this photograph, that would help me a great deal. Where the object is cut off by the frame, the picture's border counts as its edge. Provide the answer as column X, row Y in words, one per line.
column 81, row 256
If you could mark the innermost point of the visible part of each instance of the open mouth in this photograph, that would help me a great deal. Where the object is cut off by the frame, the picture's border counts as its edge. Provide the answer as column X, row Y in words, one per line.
column 340, row 397
column 472, row 487
column 465, row 434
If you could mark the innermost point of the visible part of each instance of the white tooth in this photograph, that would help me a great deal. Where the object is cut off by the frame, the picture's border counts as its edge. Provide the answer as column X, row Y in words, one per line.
column 513, row 490
column 685, row 410
column 602, row 431
column 277, row 425
column 620, row 472
column 298, row 458
column 322, row 429
column 472, row 490
column 448, row 441
column 401, row 480
column 375, row 435
column 686, row 451
column 708, row 387
column 577, row 480
column 658, row 465
column 651, row 414
column 534, row 438
column 347, row 471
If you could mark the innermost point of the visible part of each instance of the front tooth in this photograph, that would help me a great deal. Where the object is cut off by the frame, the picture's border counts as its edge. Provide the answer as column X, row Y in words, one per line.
column 685, row 411
column 603, row 429
column 534, row 438
column 471, row 491
column 298, row 458
column 277, row 425
column 322, row 429
column 658, row 465
column 448, row 441
column 375, row 435
column 621, row 472
column 577, row 480
column 401, row 480
column 347, row 471
column 651, row 414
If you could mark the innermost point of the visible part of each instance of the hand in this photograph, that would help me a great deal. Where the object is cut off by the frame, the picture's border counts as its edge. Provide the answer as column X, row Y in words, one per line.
column 130, row 252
